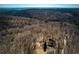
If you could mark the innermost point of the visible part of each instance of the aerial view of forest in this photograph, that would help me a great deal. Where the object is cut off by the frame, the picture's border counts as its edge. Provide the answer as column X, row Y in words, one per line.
column 39, row 30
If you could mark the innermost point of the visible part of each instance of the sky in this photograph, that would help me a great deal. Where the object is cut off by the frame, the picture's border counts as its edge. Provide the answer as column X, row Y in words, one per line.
column 39, row 5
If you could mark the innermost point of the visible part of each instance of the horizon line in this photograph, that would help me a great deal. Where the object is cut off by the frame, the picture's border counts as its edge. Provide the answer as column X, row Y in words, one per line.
column 39, row 5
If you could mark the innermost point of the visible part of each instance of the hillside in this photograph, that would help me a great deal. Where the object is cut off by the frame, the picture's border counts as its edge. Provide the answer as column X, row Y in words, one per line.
column 20, row 34
column 70, row 15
